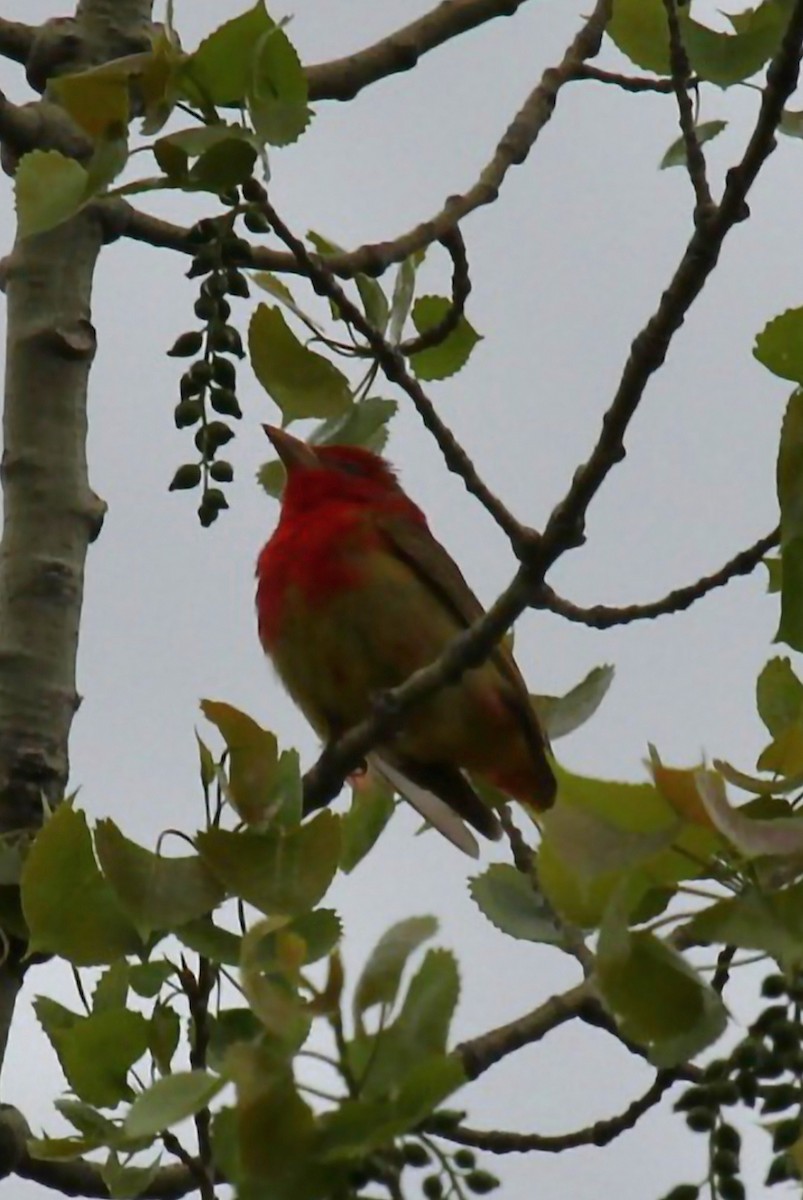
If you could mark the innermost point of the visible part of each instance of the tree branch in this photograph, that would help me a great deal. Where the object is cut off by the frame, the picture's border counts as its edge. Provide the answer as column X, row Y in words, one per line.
column 601, row 1133
column 374, row 259
column 80, row 1178
column 16, row 40
column 344, row 78
column 695, row 159
column 628, row 83
column 566, row 525
column 603, row 616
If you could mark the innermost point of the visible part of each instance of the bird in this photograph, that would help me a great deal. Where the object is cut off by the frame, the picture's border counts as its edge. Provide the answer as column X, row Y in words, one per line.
column 354, row 594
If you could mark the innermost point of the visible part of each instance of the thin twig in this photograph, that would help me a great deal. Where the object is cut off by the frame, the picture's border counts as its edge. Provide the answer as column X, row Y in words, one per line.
column 566, row 525
column 681, row 72
column 603, row 616
column 461, row 289
column 373, row 259
column 628, row 83
column 392, row 363
column 601, row 1133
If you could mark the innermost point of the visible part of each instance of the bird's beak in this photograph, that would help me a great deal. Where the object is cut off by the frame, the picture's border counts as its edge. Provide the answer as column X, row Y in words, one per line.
column 292, row 451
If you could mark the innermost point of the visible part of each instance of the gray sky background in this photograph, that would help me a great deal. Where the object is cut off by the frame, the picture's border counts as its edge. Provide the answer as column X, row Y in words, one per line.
column 566, row 268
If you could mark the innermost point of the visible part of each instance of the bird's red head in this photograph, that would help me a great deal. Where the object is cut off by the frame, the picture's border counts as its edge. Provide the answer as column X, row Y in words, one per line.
column 325, row 474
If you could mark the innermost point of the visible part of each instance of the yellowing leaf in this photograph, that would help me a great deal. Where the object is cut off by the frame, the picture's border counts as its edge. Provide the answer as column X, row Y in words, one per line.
column 253, row 759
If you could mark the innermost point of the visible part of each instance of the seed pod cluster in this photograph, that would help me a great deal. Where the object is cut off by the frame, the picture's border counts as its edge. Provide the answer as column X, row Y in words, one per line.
column 208, row 388
column 763, row 1071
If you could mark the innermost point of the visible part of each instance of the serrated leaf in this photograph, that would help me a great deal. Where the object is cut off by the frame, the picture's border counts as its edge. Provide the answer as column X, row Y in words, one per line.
column 146, row 978
column 420, row 1030
column 69, row 907
column 301, row 382
column 657, row 998
column 639, row 30
column 561, row 715
column 381, row 976
column 164, row 1030
column 372, row 806
column 111, row 990
column 157, row 893
column 97, row 1052
column 224, row 165
column 675, row 156
column 271, row 476
column 779, row 695
column 790, row 498
column 128, row 1182
column 253, row 760
column 364, row 424
column 779, row 346
column 171, row 1100
column 450, row 355
column 278, row 94
column 219, row 72
column 279, row 872
column 510, row 902
column 359, row 1126
column 768, row 921
column 209, row 940
column 97, row 100
column 49, row 188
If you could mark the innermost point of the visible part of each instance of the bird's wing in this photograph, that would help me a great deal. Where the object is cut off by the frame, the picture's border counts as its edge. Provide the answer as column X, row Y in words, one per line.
column 434, row 810
column 437, row 569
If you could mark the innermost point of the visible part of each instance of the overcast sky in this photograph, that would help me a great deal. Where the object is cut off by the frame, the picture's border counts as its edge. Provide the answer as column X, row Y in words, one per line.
column 566, row 268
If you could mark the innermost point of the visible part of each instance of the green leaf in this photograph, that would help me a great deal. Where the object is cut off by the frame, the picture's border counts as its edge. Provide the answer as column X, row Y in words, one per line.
column 639, row 29
column 364, row 424
column 86, row 1119
column 420, row 1030
column 450, row 355
column 68, row 905
column 164, row 1030
column 63, row 1149
column 675, row 156
column 790, row 498
column 220, row 70
column 402, row 299
column 253, row 760
column 208, row 939
column 127, row 1182
column 724, row 58
column 381, row 976
column 561, row 715
column 779, row 346
column 657, row 998
column 372, row 806
column 791, row 123
column 112, row 987
column 49, row 189
column 767, row 921
column 359, row 1126
column 278, row 872
column 271, row 476
column 511, row 902
column 277, row 97
column 224, row 165
column 171, row 1100
column 602, row 830
column 146, row 979
column 779, row 695
column 276, row 1155
column 302, row 383
column 97, row 99
column 96, row 1052
column 157, row 893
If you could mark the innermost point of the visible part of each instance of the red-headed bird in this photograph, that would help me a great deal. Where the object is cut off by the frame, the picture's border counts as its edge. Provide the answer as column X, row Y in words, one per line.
column 354, row 594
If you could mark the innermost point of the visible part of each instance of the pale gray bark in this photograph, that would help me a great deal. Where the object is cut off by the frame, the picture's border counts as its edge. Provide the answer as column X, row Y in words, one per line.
column 51, row 513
